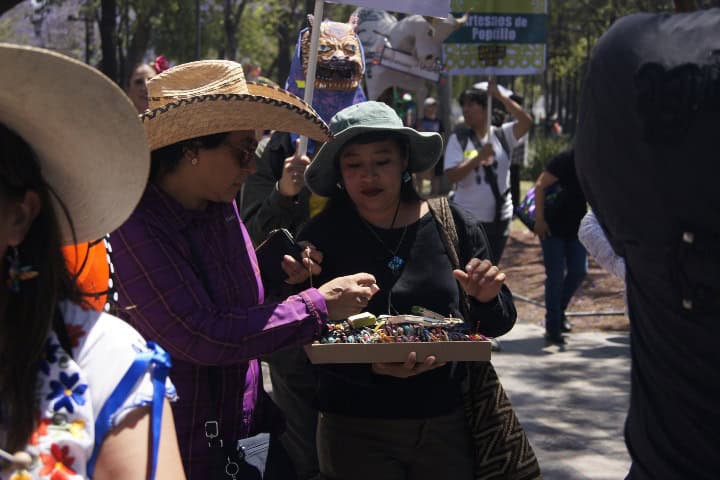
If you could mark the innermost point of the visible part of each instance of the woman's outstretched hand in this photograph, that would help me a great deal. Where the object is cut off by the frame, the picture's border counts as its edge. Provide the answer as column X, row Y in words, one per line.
column 481, row 280
column 345, row 296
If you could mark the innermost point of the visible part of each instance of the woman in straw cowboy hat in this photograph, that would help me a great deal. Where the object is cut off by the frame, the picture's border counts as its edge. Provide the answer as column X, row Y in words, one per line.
column 187, row 272
column 59, row 395
column 406, row 420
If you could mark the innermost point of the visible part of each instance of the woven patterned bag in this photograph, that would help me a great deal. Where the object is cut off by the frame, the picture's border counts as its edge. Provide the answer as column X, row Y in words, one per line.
column 502, row 449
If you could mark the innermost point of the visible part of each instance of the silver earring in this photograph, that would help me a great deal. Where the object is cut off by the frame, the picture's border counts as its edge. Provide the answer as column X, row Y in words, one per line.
column 406, row 177
column 339, row 186
column 194, row 161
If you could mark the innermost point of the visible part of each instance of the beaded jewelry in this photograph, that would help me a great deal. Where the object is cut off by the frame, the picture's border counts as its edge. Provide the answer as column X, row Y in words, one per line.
column 384, row 332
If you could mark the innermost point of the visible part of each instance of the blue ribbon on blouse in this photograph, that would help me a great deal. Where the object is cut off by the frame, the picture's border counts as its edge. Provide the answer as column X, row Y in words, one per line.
column 159, row 360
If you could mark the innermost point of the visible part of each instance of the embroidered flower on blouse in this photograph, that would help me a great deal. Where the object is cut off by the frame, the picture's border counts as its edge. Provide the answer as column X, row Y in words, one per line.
column 49, row 357
column 77, row 429
column 65, row 392
column 40, row 431
column 21, row 475
column 57, row 464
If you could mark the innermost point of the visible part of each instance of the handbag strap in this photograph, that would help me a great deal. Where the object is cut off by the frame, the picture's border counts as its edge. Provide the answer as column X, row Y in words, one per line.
column 212, row 430
column 158, row 362
column 440, row 209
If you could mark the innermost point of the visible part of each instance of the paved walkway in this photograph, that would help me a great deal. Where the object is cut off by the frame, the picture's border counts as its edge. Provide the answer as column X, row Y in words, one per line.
column 572, row 401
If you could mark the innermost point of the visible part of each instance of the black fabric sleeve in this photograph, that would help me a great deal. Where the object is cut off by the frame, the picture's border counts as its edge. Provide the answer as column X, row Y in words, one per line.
column 497, row 317
column 561, row 166
column 263, row 207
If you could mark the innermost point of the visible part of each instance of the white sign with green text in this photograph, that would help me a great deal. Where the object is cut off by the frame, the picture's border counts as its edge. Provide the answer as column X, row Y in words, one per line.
column 500, row 37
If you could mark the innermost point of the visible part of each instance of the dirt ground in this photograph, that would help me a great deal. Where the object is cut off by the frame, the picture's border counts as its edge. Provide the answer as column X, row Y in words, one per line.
column 600, row 291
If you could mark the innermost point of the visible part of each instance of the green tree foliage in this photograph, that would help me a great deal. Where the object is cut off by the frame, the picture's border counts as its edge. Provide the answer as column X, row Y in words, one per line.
column 265, row 31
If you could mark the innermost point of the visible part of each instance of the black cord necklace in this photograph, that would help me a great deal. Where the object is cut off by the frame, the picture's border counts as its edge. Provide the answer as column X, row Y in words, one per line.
column 396, row 263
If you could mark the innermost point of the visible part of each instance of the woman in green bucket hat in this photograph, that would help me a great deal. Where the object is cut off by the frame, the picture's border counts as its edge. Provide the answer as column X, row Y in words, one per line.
column 396, row 421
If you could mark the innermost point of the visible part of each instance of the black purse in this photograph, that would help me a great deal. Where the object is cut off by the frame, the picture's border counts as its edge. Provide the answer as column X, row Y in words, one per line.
column 246, row 459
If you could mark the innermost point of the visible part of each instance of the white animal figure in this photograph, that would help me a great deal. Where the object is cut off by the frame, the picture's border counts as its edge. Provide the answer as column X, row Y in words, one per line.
column 415, row 43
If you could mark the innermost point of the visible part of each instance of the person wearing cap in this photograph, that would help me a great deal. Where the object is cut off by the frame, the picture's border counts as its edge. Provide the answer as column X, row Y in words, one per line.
column 63, row 363
column 477, row 159
column 186, row 269
column 431, row 123
column 404, row 421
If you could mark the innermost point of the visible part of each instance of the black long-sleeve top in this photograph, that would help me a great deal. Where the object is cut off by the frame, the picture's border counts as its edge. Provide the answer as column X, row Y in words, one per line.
column 350, row 246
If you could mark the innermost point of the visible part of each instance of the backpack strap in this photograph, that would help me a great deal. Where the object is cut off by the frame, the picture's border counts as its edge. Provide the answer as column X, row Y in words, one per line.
column 463, row 135
column 488, row 170
column 500, row 134
column 158, row 362
column 492, row 176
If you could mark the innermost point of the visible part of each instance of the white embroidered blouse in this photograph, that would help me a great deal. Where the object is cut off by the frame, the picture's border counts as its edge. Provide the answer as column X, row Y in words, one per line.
column 73, row 388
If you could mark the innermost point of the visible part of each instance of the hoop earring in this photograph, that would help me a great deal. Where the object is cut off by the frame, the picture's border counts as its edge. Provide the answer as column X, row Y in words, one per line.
column 406, row 177
column 18, row 273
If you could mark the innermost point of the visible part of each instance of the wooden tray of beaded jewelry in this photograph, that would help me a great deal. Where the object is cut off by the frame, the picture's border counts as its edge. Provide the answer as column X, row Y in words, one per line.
column 476, row 350
column 397, row 352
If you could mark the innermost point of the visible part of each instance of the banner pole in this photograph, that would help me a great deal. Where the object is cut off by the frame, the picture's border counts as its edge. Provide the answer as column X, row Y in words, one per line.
column 312, row 64
column 489, row 107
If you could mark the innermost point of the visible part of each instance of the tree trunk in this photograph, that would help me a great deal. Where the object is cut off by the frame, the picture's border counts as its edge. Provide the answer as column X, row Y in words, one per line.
column 285, row 41
column 565, row 95
column 108, row 39
column 546, row 94
column 138, row 44
column 574, row 102
column 230, row 30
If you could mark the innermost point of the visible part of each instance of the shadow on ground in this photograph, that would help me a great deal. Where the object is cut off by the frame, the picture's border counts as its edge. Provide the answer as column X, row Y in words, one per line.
column 572, row 401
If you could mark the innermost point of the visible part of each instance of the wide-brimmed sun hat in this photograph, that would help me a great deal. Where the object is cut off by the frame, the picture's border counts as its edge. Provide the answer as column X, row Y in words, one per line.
column 211, row 96
column 322, row 175
column 85, row 132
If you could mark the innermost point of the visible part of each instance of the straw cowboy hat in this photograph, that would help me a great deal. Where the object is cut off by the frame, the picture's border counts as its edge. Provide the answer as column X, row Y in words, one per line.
column 211, row 96
column 322, row 175
column 85, row 132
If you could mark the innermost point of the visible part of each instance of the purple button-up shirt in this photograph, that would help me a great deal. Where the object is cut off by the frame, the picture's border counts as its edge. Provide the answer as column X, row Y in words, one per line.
column 190, row 281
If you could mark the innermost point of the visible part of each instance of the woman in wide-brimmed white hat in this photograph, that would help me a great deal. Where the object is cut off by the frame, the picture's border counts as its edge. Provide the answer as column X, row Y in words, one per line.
column 73, row 165
column 187, row 271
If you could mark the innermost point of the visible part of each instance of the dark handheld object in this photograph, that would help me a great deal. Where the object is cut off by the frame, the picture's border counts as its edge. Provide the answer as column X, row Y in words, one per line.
column 270, row 253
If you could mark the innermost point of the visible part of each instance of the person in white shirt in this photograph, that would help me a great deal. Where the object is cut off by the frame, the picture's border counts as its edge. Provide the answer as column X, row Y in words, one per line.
column 478, row 160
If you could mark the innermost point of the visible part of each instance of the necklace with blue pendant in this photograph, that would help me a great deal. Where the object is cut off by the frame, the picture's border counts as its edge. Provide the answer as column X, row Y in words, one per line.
column 396, row 263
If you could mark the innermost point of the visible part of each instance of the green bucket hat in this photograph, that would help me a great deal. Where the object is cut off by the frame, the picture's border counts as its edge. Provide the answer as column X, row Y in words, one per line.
column 322, row 175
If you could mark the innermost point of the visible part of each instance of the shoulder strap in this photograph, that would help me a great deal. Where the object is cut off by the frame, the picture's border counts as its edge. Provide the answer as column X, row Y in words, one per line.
column 440, row 209
column 463, row 135
column 158, row 362
column 500, row 134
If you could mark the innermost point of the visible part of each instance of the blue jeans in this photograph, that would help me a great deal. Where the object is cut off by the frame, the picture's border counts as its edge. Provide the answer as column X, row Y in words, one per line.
column 559, row 254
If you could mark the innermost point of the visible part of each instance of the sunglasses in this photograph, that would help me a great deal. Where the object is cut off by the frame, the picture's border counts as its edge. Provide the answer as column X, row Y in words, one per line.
column 244, row 154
